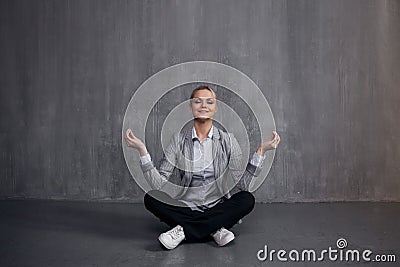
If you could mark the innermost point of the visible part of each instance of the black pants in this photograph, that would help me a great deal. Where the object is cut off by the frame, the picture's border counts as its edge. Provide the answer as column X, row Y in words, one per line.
column 199, row 225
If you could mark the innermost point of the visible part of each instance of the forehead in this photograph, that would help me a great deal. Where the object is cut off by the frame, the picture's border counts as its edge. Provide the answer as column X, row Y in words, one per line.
column 203, row 93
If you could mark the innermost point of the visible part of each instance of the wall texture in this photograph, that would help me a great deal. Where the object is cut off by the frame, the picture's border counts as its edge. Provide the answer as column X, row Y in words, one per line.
column 329, row 69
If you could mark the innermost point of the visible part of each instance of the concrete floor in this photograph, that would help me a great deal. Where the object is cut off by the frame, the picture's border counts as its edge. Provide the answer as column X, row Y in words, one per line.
column 63, row 233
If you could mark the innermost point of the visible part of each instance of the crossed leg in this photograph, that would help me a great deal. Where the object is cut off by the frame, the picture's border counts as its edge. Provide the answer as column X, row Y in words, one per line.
column 199, row 225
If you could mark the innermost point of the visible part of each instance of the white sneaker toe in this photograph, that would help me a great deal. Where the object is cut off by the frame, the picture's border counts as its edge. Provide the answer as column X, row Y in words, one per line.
column 223, row 237
column 172, row 238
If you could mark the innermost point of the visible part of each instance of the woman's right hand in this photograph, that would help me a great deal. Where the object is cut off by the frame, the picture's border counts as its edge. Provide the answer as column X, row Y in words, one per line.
column 132, row 141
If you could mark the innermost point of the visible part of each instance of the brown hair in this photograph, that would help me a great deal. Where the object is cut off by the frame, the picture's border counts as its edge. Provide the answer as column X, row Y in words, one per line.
column 203, row 87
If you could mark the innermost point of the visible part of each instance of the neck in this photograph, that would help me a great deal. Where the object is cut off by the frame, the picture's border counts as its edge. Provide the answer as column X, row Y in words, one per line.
column 202, row 127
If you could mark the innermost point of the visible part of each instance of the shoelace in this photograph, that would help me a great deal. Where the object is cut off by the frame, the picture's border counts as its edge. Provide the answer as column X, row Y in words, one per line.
column 175, row 233
column 219, row 233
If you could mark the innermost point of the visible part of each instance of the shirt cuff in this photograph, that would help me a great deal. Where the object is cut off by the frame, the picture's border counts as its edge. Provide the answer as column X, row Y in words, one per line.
column 145, row 159
column 257, row 159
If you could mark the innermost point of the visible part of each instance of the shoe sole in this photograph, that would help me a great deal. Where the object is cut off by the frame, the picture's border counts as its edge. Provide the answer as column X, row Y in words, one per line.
column 165, row 244
column 227, row 240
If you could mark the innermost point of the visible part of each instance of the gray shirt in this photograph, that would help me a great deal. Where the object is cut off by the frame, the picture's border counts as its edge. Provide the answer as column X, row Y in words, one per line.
column 203, row 193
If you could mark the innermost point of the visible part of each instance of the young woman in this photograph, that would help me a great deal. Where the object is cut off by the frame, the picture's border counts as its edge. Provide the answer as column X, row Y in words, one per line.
column 204, row 208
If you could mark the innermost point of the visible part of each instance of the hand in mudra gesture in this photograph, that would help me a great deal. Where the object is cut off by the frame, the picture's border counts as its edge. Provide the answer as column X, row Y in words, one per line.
column 132, row 141
column 271, row 143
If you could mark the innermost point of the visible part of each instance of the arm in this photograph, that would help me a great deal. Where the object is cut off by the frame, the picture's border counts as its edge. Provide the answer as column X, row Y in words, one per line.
column 155, row 178
column 237, row 165
column 254, row 166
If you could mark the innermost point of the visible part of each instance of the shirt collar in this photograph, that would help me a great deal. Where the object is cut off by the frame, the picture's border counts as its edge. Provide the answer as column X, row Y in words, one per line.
column 210, row 133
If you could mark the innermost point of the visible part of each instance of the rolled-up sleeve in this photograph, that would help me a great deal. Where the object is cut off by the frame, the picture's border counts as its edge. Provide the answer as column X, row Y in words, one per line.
column 145, row 159
column 257, row 160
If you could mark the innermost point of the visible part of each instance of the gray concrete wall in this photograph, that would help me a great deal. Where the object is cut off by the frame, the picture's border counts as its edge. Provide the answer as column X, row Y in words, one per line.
column 329, row 69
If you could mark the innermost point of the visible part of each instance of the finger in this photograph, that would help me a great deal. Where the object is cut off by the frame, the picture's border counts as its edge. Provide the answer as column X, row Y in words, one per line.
column 277, row 137
column 132, row 135
column 276, row 141
column 275, row 134
column 272, row 137
column 129, row 138
column 127, row 141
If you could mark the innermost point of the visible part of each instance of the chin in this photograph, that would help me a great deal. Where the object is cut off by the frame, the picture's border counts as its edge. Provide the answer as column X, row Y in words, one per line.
column 202, row 117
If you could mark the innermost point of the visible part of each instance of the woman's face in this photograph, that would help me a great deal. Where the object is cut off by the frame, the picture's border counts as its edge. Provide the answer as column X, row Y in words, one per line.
column 203, row 104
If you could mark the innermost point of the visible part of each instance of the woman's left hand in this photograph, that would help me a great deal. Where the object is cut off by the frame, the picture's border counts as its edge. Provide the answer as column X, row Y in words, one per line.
column 271, row 143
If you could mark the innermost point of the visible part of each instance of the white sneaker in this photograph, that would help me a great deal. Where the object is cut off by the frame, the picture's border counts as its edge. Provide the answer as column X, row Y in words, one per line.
column 223, row 236
column 172, row 238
